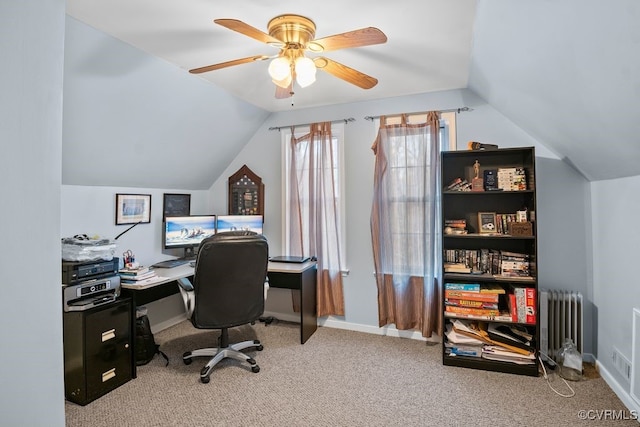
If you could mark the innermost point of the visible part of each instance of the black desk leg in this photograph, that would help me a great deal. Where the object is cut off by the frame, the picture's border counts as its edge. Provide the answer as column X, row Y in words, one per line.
column 308, row 317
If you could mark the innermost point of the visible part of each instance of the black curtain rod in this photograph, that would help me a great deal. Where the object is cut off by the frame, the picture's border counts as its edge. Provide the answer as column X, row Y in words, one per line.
column 452, row 110
column 345, row 121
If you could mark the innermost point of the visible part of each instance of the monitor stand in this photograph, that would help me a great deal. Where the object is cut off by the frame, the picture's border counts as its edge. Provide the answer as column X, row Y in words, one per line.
column 189, row 254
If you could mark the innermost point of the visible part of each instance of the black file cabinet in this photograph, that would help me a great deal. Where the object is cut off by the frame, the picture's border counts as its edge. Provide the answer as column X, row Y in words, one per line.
column 97, row 350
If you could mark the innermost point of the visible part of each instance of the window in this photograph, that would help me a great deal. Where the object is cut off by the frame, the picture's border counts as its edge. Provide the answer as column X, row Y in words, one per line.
column 303, row 161
column 407, row 199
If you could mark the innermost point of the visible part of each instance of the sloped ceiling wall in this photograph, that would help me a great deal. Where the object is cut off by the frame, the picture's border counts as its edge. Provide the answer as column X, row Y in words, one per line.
column 568, row 73
column 565, row 72
column 133, row 120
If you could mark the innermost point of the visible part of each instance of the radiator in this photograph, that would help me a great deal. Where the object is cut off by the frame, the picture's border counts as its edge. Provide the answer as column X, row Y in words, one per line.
column 561, row 317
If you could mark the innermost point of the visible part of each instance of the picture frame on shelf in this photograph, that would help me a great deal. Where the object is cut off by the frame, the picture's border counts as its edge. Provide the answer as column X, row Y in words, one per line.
column 486, row 222
column 133, row 208
column 176, row 205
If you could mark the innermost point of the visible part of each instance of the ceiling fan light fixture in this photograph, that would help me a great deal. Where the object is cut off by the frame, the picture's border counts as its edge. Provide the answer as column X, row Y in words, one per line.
column 305, row 71
column 284, row 83
column 280, row 69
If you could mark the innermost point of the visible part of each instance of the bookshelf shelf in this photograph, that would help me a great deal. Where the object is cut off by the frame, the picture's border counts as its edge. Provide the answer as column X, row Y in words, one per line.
column 486, row 236
column 502, row 264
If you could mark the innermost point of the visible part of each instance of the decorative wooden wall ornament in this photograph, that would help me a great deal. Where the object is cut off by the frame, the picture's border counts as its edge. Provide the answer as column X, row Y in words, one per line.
column 246, row 193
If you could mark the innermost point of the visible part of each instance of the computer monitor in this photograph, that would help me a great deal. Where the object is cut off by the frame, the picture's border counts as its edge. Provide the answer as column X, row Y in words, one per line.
column 187, row 232
column 239, row 222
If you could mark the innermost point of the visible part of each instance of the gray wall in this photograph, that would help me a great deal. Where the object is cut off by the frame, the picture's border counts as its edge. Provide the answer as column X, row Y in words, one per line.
column 31, row 364
column 263, row 155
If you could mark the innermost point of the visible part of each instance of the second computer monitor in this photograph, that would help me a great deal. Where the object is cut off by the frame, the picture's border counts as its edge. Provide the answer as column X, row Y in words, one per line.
column 239, row 222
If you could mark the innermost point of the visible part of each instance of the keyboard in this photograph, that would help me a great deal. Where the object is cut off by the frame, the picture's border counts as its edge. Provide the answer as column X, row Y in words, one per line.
column 170, row 263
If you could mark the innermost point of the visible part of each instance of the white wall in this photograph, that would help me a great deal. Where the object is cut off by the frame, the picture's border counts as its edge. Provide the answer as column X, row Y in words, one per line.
column 31, row 366
column 615, row 253
column 91, row 210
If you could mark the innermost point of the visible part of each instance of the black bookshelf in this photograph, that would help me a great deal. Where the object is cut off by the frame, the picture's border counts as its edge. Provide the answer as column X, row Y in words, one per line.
column 466, row 204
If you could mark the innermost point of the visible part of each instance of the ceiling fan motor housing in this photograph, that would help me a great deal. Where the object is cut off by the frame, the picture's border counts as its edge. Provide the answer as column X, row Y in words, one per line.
column 294, row 30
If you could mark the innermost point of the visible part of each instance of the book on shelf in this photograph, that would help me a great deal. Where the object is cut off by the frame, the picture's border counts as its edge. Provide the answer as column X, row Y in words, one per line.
column 137, row 277
column 476, row 288
column 456, row 268
column 496, row 352
column 133, row 271
column 522, row 304
column 502, row 317
column 458, row 184
column 141, row 282
column 473, row 296
column 472, row 311
column 455, row 302
column 478, row 329
column 512, row 179
column 463, row 350
column 490, row 180
column 457, row 223
column 469, row 287
column 457, row 338
column 505, row 334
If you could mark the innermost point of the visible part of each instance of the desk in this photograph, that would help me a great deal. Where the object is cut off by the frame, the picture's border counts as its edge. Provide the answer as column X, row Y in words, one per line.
column 300, row 277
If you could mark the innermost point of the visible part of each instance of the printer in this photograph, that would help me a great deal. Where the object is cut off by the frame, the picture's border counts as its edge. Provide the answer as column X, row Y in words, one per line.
column 89, row 284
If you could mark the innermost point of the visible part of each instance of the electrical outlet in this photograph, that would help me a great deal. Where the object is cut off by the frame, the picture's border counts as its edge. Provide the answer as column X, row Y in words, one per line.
column 622, row 364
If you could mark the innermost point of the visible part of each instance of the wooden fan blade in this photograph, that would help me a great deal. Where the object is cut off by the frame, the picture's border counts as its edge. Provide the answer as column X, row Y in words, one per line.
column 229, row 64
column 282, row 93
column 248, row 30
column 345, row 73
column 356, row 38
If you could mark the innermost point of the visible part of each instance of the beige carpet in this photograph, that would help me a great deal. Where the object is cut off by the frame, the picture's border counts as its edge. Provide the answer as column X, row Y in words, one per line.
column 338, row 378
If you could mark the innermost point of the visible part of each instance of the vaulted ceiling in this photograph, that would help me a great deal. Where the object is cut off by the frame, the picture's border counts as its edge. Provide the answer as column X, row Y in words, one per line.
column 566, row 72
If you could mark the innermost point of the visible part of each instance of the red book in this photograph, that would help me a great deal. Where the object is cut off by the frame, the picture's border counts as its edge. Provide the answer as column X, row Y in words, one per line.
column 530, row 304
column 513, row 309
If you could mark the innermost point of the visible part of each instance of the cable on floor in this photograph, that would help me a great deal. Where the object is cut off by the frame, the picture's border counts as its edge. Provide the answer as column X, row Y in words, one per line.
column 546, row 377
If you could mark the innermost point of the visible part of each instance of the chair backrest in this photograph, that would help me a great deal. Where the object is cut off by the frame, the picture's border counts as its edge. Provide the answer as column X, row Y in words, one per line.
column 230, row 273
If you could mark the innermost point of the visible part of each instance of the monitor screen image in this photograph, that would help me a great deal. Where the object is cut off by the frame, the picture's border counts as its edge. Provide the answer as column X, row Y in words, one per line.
column 239, row 222
column 188, row 231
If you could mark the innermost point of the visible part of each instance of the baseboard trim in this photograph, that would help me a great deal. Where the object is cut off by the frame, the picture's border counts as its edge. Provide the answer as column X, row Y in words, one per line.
column 161, row 326
column 624, row 396
column 390, row 331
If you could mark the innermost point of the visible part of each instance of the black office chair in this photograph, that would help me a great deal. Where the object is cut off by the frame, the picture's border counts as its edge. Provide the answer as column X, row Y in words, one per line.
column 229, row 289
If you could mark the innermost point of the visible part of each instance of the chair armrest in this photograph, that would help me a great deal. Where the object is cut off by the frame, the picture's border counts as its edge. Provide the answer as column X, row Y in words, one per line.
column 188, row 296
column 185, row 284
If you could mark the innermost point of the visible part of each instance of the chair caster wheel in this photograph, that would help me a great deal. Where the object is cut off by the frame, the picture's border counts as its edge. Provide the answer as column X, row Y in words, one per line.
column 260, row 347
column 255, row 369
column 205, row 380
column 188, row 360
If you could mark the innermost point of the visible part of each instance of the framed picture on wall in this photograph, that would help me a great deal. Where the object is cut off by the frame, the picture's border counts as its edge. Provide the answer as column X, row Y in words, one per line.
column 133, row 208
column 246, row 193
column 176, row 205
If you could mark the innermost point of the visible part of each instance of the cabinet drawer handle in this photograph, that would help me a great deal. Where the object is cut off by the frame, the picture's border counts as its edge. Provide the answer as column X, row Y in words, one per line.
column 106, row 376
column 107, row 335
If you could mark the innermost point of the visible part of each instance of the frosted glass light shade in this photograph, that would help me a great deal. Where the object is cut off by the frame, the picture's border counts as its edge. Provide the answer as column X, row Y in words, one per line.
column 305, row 71
column 279, row 69
column 284, row 83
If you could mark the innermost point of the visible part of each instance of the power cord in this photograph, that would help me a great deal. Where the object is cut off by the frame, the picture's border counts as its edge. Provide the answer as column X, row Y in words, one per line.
column 546, row 377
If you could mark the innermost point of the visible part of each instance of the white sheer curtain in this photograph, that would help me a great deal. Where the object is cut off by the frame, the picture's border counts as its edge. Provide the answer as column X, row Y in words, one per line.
column 314, row 212
column 404, row 224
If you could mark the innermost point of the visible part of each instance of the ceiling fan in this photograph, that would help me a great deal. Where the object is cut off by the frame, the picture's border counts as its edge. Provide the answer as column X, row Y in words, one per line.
column 294, row 35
